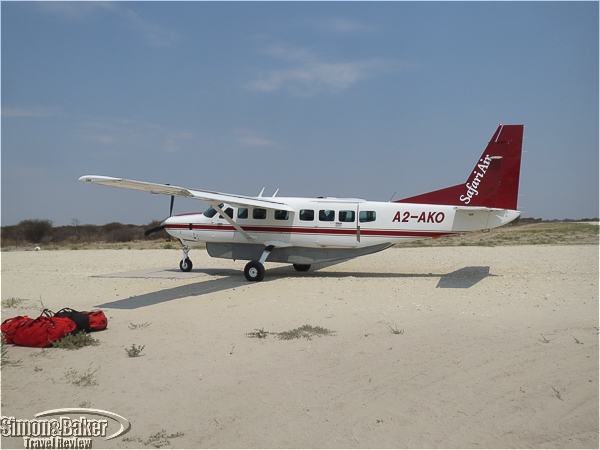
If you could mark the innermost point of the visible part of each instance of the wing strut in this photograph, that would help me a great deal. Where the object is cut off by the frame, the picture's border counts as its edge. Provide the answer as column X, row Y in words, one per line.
column 231, row 222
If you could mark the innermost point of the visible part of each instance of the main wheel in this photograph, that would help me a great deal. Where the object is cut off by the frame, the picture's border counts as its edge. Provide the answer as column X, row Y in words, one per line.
column 302, row 267
column 185, row 265
column 254, row 271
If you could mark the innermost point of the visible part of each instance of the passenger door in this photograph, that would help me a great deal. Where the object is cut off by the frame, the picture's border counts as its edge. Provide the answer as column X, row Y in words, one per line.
column 336, row 224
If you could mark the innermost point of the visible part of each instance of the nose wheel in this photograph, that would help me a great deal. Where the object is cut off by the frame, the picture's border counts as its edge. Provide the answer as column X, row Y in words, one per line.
column 186, row 263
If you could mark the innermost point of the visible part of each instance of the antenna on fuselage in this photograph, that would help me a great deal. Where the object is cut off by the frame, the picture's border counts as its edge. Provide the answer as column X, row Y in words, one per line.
column 393, row 196
column 261, row 192
column 275, row 193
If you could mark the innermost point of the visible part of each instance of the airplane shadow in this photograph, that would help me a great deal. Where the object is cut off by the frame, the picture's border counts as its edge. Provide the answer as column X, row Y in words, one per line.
column 464, row 278
column 460, row 279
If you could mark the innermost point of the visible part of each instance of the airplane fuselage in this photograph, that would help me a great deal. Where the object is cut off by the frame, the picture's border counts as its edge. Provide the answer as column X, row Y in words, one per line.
column 329, row 223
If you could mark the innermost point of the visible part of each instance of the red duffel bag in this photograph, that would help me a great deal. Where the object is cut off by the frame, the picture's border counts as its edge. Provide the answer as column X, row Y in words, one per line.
column 98, row 320
column 10, row 325
column 43, row 331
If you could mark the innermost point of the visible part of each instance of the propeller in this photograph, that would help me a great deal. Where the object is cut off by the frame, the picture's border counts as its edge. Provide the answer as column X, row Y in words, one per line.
column 162, row 225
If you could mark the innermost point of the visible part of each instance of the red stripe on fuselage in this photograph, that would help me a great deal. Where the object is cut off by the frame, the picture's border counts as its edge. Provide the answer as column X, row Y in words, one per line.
column 304, row 230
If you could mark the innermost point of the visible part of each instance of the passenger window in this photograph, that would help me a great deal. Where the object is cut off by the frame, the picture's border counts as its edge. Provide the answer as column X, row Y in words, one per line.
column 367, row 216
column 327, row 215
column 281, row 215
column 346, row 216
column 307, row 215
column 229, row 212
column 259, row 213
column 242, row 213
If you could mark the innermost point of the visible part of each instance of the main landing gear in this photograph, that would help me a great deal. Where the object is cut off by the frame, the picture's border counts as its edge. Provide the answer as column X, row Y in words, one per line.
column 254, row 270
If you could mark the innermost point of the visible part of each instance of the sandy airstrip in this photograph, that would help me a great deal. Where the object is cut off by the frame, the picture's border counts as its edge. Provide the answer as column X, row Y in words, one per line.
column 499, row 348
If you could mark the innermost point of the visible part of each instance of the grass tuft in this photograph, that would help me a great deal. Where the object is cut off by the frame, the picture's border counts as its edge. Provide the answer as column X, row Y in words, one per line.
column 260, row 334
column 396, row 330
column 135, row 350
column 135, row 326
column 5, row 360
column 12, row 302
column 85, row 380
column 305, row 331
column 76, row 341
column 157, row 440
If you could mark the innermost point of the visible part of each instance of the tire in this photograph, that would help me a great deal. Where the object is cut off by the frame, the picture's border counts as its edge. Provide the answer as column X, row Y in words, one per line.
column 301, row 267
column 254, row 271
column 186, row 265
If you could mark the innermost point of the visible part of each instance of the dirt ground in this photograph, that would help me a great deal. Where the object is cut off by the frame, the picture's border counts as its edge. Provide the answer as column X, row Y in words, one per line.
column 447, row 347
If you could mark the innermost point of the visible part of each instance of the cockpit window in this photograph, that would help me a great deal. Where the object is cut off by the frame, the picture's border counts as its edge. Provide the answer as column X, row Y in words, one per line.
column 210, row 212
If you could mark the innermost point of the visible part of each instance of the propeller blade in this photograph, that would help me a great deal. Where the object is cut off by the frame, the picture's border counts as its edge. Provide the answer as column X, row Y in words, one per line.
column 162, row 225
column 154, row 230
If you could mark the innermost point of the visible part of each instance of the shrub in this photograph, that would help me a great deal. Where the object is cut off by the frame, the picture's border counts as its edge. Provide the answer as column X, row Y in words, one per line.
column 34, row 230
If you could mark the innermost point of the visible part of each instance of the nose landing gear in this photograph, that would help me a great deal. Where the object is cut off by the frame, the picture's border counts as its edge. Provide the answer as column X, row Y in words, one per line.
column 186, row 263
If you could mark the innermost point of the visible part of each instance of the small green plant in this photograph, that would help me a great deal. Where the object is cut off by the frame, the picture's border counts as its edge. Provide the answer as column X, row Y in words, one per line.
column 74, row 247
column 305, row 331
column 84, row 380
column 157, row 440
column 135, row 350
column 168, row 246
column 260, row 334
column 396, row 330
column 12, row 302
column 76, row 341
column 37, row 369
column 5, row 360
column 577, row 341
column 43, row 352
column 556, row 393
column 85, row 404
column 161, row 439
column 135, row 326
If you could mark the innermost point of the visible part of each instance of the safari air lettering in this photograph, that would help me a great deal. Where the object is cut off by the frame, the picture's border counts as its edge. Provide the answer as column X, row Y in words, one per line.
column 472, row 187
column 429, row 217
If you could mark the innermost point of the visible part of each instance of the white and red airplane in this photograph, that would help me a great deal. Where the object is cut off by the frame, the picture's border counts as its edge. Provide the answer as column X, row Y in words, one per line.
column 305, row 231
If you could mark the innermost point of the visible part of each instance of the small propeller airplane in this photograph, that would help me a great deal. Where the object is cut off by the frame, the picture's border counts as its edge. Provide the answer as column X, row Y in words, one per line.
column 305, row 231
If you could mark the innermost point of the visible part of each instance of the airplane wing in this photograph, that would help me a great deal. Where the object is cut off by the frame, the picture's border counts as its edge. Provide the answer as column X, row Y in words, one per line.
column 209, row 197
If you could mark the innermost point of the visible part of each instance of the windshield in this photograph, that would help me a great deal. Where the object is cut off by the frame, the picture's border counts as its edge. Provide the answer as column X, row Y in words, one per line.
column 210, row 212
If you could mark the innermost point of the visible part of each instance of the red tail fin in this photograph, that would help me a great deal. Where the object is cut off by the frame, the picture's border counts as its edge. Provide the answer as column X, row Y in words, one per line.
column 494, row 182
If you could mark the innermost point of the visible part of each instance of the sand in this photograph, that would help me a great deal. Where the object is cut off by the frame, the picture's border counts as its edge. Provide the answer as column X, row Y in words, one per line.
column 497, row 347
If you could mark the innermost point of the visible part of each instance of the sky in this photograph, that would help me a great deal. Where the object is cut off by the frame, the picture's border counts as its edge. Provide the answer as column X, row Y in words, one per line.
column 343, row 99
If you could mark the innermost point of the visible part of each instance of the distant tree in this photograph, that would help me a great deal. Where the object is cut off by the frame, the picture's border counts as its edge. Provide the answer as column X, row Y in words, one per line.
column 34, row 230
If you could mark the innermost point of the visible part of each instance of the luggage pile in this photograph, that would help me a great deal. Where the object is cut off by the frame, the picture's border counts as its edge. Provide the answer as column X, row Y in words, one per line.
column 49, row 327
